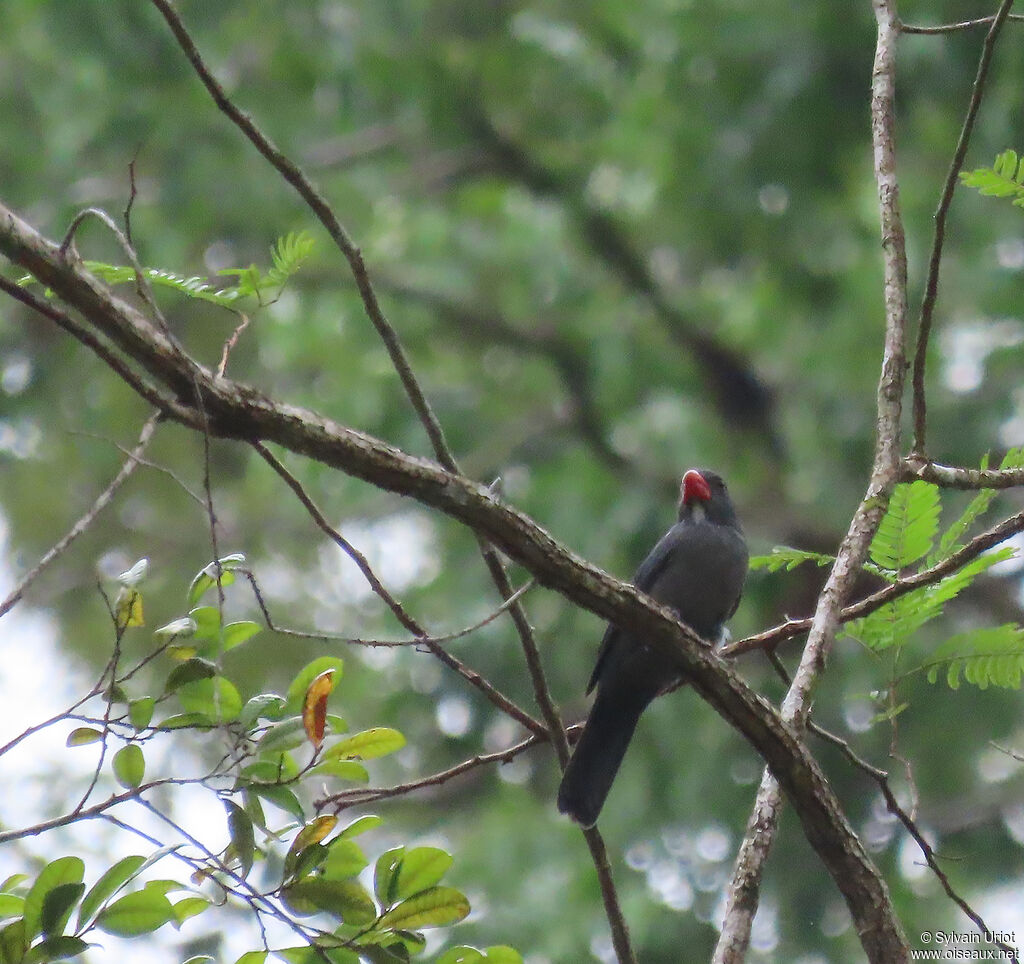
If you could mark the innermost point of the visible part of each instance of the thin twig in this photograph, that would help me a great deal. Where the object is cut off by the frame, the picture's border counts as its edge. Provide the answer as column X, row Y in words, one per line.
column 96, row 345
column 142, row 285
column 363, row 795
column 953, row 27
column 101, row 502
column 318, row 204
column 893, row 805
column 401, row 614
column 230, row 344
column 383, row 643
column 931, row 290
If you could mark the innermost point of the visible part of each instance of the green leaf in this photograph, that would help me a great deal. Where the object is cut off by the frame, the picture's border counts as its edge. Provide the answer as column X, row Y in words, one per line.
column 314, row 955
column 342, row 770
column 384, row 874
column 13, row 942
column 129, row 766
column 420, row 869
column 188, row 672
column 11, row 905
column 345, row 858
column 345, row 899
column 82, row 735
column 360, row 825
column 1004, row 179
column 63, row 870
column 58, row 948
column 461, row 955
column 298, row 686
column 283, row 799
column 180, row 721
column 503, row 954
column 243, row 837
column 137, row 913
column 908, row 528
column 240, row 632
column 252, row 957
column 190, row 907
column 140, row 712
column 207, row 620
column 366, row 745
column 783, row 557
column 267, row 706
column 217, row 698
column 894, row 622
column 109, row 884
column 437, row 907
column 993, row 656
column 206, row 579
column 280, row 737
column 276, row 768
column 57, row 907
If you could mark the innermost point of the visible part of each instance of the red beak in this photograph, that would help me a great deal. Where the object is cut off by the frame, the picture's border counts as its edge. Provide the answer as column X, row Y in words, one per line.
column 695, row 486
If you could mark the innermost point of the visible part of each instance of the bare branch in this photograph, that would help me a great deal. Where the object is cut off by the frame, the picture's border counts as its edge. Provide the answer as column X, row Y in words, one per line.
column 382, row 643
column 931, row 858
column 360, row 796
column 317, row 203
column 951, row 477
column 102, row 501
column 743, row 892
column 954, row 27
column 422, row 636
column 931, row 291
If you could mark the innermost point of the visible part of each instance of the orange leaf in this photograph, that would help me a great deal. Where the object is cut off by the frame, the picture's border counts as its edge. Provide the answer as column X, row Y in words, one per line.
column 314, row 707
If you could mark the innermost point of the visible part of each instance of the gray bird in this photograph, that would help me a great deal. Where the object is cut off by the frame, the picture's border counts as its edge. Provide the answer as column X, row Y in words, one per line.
column 698, row 569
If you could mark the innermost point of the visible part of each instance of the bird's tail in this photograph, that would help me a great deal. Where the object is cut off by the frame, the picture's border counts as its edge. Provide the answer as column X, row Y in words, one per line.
column 598, row 754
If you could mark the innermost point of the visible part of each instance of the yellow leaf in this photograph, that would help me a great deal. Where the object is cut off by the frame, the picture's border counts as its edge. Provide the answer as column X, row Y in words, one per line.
column 314, row 707
column 128, row 608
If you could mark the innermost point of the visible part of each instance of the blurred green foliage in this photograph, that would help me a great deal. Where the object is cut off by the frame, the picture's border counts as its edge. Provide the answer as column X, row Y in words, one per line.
column 617, row 239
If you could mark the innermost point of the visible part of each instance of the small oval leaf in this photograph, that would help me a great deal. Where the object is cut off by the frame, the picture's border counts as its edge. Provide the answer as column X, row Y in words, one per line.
column 137, row 913
column 367, row 745
column 129, row 766
column 82, row 735
column 437, row 907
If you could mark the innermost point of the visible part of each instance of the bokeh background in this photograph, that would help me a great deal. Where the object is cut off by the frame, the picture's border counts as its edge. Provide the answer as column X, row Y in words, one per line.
column 618, row 240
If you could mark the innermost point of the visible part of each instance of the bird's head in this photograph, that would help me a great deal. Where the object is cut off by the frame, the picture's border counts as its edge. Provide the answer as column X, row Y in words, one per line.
column 702, row 494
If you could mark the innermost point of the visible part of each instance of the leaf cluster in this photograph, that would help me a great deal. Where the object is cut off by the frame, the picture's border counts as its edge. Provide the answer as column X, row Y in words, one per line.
column 908, row 540
column 260, row 781
column 1005, row 178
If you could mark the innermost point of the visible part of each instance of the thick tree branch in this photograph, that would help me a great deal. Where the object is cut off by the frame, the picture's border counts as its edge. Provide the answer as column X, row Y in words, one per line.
column 743, row 893
column 240, row 412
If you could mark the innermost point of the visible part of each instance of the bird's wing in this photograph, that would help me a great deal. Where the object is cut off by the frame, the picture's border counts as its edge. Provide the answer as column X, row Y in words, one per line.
column 644, row 579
